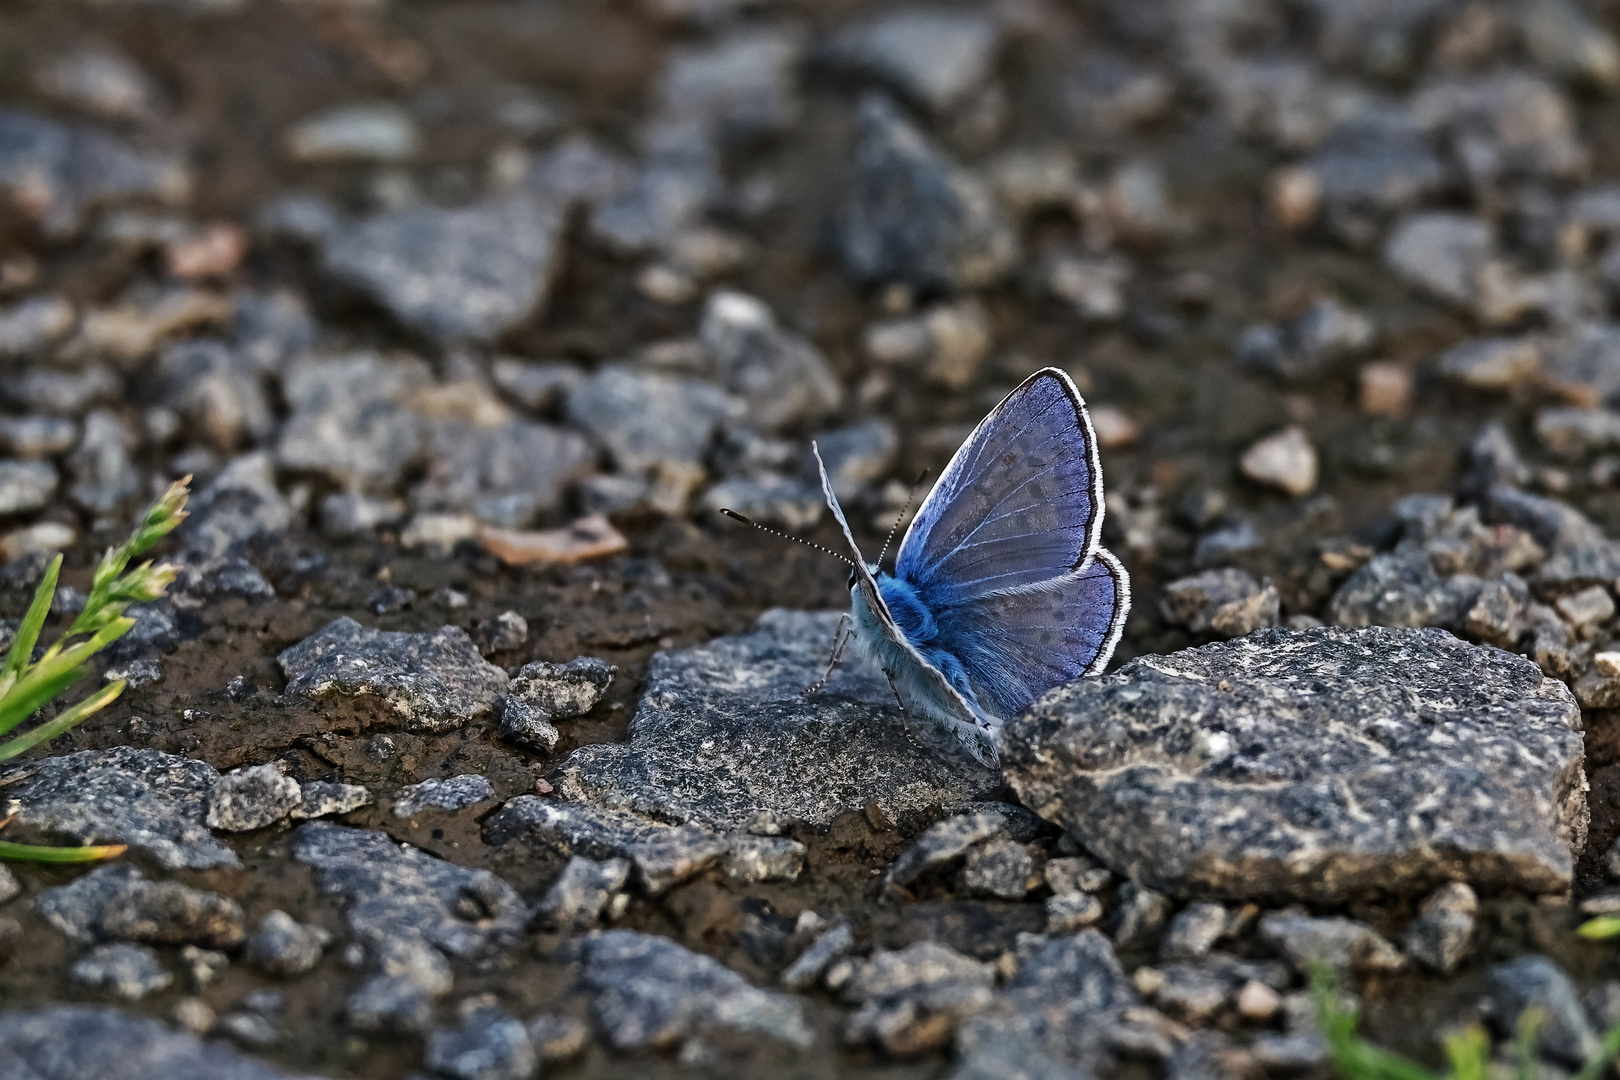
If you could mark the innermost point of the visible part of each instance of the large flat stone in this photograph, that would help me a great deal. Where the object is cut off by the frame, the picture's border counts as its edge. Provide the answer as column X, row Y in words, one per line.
column 724, row 733
column 85, row 1042
column 1315, row 765
column 156, row 803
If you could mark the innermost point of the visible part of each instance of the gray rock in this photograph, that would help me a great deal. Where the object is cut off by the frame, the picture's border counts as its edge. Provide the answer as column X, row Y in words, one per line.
column 944, row 842
column 137, row 673
column 680, row 178
column 217, row 391
column 472, row 272
column 322, row 798
column 1584, row 364
column 29, row 325
column 1564, row 1033
column 349, row 515
column 1498, row 616
column 118, row 903
column 578, row 169
column 430, row 682
column 781, row 376
column 752, row 859
column 1069, row 912
column 1563, row 40
column 538, row 387
column 270, row 328
column 1141, row 916
column 1053, row 1017
column 646, row 420
column 912, row 1000
column 1574, row 433
column 1440, row 253
column 1229, row 602
column 1399, row 588
column 1504, row 124
column 542, row 693
column 504, row 475
column 1491, row 363
column 399, row 998
column 37, row 436
column 915, row 217
column 504, row 632
column 1576, row 567
column 61, row 173
column 1194, row 931
column 394, row 893
column 488, row 1045
column 26, row 485
column 663, row 855
column 103, row 471
column 576, row 900
column 935, row 56
column 1142, row 765
column 723, row 733
column 83, row 1042
column 1226, row 543
column 811, row 964
column 251, row 798
column 558, row 1038
column 129, row 971
column 284, row 946
column 782, row 502
column 455, row 793
column 238, row 508
column 1327, row 334
column 1553, row 524
column 64, row 393
column 1441, row 936
column 999, row 869
column 10, row 887
column 856, row 456
column 1345, row 945
column 739, row 86
column 363, row 131
column 154, row 802
column 1372, row 166
column 648, row 992
column 348, row 418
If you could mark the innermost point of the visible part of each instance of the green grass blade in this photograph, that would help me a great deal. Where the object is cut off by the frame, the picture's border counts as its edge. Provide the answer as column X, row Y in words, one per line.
column 1606, row 1053
column 1468, row 1051
column 1600, row 928
column 63, row 722
column 37, row 689
column 40, row 853
column 22, row 649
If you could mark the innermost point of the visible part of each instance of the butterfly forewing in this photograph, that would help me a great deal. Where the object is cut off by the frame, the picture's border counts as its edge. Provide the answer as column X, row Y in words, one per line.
column 1020, row 503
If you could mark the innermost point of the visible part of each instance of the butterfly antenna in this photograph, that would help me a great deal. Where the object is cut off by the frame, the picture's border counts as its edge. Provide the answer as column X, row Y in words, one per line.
column 911, row 496
column 785, row 536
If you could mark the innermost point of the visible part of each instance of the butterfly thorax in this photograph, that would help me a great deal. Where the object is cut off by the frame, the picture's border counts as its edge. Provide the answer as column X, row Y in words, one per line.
column 910, row 614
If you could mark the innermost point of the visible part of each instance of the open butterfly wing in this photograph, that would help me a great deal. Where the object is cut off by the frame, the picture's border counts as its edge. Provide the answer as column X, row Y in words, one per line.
column 1019, row 504
column 874, row 601
column 1017, row 644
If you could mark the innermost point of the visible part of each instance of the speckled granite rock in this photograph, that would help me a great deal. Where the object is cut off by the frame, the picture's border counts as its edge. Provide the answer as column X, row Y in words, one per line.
column 651, row 992
column 155, row 802
column 432, row 682
column 1320, row 764
column 84, row 1042
column 723, row 734
column 471, row 272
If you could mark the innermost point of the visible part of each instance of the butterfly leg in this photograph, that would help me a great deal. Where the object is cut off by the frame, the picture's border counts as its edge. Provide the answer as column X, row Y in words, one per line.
column 840, row 639
column 905, row 713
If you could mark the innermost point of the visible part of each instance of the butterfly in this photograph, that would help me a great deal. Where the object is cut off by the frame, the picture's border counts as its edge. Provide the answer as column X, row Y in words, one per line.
column 1000, row 590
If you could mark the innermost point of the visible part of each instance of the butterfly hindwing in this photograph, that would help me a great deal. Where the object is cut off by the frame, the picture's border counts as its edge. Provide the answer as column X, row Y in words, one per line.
column 1020, row 503
column 1017, row 644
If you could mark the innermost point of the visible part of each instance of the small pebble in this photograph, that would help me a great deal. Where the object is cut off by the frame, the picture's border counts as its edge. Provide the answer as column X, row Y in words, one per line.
column 1286, row 460
column 1258, row 1002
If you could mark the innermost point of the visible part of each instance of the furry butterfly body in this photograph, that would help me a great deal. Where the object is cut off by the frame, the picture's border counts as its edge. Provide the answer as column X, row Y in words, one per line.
column 1001, row 589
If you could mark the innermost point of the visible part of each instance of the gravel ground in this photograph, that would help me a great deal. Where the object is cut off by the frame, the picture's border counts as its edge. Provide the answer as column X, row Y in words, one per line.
column 470, row 743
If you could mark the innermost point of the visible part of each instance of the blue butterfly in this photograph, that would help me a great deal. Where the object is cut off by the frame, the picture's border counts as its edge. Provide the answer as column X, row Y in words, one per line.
column 1000, row 590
